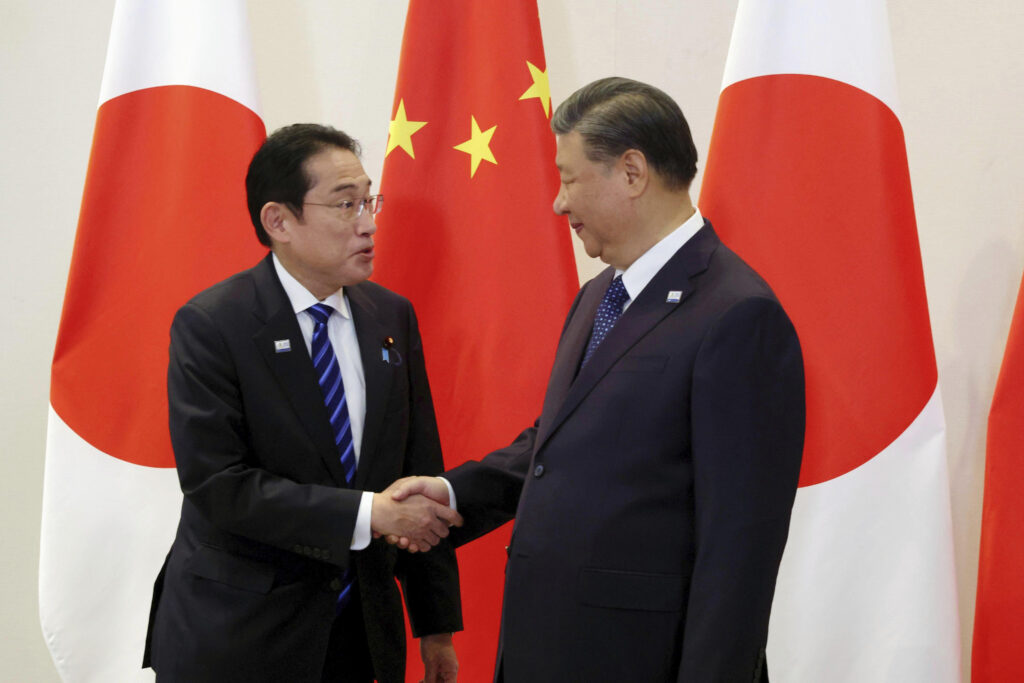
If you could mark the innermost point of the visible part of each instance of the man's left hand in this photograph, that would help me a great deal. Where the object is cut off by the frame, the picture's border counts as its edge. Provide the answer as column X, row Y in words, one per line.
column 440, row 665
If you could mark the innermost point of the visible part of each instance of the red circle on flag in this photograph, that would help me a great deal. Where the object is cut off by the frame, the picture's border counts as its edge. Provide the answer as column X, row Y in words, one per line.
column 807, row 180
column 163, row 216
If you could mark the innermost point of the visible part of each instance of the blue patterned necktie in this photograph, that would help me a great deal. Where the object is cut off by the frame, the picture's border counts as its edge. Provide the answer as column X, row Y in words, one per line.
column 615, row 297
column 329, row 376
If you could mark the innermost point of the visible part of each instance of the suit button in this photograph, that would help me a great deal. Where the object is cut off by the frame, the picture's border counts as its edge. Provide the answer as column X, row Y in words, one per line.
column 307, row 551
column 297, row 548
column 326, row 554
column 316, row 553
column 336, row 584
column 538, row 471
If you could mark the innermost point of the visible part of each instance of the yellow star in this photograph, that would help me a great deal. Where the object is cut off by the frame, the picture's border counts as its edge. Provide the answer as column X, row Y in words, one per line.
column 478, row 145
column 400, row 131
column 539, row 89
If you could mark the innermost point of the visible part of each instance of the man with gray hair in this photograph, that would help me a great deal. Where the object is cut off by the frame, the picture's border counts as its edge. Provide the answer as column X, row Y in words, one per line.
column 652, row 496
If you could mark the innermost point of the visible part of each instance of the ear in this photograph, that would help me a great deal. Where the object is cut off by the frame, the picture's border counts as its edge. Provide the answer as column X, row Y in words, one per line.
column 276, row 219
column 634, row 165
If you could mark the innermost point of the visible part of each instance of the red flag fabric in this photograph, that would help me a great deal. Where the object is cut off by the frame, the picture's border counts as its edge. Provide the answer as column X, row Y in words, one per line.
column 163, row 215
column 468, row 234
column 807, row 179
column 999, row 608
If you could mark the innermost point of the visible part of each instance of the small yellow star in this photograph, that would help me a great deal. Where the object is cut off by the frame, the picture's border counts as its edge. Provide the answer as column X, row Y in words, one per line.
column 400, row 131
column 540, row 88
column 478, row 146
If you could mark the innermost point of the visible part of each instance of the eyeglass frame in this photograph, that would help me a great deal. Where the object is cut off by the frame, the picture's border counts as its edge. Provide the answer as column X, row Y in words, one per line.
column 377, row 200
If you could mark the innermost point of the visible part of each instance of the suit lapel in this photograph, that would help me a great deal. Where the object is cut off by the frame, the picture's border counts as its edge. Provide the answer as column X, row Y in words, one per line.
column 570, row 349
column 293, row 369
column 377, row 373
column 642, row 316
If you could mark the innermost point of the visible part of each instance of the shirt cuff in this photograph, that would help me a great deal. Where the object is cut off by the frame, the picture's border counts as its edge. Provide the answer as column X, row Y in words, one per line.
column 451, row 494
column 361, row 534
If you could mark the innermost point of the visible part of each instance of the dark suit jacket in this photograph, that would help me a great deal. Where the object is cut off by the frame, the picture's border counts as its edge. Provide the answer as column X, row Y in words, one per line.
column 652, row 497
column 249, row 587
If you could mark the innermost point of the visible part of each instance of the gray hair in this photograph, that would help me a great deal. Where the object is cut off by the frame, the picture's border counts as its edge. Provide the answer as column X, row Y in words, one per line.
column 616, row 114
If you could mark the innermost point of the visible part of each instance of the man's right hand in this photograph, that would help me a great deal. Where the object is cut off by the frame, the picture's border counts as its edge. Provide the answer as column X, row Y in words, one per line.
column 413, row 517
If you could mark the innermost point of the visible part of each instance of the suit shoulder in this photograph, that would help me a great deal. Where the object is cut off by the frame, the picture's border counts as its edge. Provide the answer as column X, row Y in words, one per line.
column 739, row 277
column 238, row 286
column 380, row 295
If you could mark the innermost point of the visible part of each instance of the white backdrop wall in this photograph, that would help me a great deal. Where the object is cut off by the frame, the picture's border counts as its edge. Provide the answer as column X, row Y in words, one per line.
column 961, row 77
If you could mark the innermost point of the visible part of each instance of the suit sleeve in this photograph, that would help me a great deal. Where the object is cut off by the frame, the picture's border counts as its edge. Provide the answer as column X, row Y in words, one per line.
column 488, row 490
column 219, row 473
column 747, row 417
column 430, row 581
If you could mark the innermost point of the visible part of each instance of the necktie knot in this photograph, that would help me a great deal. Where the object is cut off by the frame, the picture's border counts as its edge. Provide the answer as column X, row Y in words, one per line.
column 616, row 294
column 320, row 313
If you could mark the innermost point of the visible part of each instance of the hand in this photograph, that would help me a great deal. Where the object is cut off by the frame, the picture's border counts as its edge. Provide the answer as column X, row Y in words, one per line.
column 423, row 522
column 440, row 665
column 431, row 487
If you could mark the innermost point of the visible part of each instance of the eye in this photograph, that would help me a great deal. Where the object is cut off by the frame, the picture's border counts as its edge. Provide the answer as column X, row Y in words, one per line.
column 346, row 204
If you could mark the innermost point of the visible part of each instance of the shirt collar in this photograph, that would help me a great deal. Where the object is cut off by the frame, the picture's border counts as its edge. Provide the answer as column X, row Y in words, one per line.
column 643, row 270
column 301, row 298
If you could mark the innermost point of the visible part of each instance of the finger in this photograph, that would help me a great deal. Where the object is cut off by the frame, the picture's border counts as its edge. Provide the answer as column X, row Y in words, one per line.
column 438, row 528
column 450, row 517
column 405, row 488
column 427, row 540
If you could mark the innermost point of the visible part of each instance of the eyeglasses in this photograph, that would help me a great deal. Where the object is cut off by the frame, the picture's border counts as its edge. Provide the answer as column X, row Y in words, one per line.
column 351, row 210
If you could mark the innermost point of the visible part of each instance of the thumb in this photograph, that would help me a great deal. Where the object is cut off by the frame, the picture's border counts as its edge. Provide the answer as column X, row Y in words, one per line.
column 403, row 489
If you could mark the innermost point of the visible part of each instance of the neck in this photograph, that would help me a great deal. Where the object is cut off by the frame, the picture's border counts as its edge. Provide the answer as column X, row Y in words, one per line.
column 659, row 216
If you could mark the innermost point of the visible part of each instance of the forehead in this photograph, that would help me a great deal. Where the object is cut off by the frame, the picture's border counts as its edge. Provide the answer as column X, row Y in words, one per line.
column 335, row 170
column 568, row 148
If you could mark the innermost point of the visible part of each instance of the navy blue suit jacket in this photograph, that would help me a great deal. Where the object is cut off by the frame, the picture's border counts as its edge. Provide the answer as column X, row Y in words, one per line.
column 652, row 497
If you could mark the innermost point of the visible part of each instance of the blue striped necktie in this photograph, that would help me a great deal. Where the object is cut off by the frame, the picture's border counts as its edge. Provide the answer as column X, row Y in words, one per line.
column 329, row 376
column 608, row 312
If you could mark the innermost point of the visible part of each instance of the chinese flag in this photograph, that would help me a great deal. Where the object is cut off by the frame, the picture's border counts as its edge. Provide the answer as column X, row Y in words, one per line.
column 163, row 216
column 468, row 234
column 999, row 612
column 807, row 179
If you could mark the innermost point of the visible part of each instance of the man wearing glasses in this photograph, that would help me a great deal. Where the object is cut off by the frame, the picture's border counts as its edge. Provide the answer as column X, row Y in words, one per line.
column 296, row 390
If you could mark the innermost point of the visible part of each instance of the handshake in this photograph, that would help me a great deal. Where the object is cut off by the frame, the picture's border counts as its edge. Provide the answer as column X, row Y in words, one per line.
column 413, row 513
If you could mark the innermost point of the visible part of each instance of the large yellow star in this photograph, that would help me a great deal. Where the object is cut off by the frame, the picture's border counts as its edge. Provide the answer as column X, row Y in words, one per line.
column 540, row 88
column 478, row 146
column 400, row 131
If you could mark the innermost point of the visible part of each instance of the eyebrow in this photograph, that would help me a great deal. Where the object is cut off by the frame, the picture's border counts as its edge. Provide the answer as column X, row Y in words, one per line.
column 350, row 186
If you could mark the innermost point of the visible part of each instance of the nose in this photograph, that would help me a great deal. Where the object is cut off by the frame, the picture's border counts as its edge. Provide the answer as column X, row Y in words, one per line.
column 559, row 205
column 366, row 224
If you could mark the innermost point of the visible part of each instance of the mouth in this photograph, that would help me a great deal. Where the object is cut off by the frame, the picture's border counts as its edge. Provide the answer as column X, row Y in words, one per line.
column 367, row 252
column 576, row 226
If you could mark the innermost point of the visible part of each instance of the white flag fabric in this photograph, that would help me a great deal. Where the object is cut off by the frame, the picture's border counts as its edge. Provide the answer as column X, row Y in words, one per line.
column 807, row 179
column 163, row 216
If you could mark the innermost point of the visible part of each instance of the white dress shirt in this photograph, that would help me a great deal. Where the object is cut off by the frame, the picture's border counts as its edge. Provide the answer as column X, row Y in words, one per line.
column 642, row 271
column 341, row 330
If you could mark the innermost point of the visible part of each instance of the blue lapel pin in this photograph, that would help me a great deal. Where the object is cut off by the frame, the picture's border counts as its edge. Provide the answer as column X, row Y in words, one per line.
column 282, row 345
column 674, row 297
